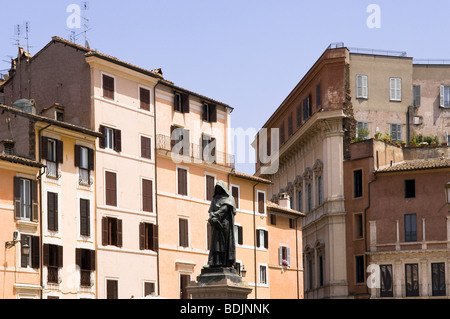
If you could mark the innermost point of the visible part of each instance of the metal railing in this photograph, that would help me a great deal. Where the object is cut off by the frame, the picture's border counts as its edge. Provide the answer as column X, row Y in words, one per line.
column 432, row 61
column 85, row 278
column 378, row 52
column 53, row 275
column 194, row 153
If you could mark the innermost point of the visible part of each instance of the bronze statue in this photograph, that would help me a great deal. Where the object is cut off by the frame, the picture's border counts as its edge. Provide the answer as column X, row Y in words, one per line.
column 222, row 251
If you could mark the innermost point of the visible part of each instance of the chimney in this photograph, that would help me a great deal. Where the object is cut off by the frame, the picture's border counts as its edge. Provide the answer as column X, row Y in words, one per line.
column 284, row 200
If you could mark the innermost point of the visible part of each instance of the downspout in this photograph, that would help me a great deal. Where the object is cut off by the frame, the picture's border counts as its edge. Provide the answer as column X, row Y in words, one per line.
column 156, row 185
column 296, row 255
column 41, row 259
column 254, row 241
column 365, row 223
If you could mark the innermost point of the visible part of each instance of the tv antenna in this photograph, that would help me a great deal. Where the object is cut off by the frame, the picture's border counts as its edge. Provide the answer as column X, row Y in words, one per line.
column 73, row 34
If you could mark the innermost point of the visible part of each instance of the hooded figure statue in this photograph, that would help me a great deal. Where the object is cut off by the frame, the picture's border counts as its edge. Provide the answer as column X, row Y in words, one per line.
column 222, row 251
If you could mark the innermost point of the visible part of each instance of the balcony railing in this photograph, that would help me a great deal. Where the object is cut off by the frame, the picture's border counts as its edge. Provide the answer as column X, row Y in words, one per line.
column 53, row 275
column 194, row 153
column 85, row 278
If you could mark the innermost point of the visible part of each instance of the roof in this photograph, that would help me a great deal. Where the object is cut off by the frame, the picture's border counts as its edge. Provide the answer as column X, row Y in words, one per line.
column 251, row 177
column 44, row 119
column 20, row 160
column 412, row 165
column 280, row 209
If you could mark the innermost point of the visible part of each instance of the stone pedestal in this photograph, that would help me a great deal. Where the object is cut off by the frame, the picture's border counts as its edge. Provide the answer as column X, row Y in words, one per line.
column 219, row 283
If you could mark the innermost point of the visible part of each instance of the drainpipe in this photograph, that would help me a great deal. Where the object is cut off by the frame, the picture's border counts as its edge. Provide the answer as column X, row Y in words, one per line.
column 156, row 185
column 41, row 259
column 365, row 223
column 296, row 254
column 254, row 240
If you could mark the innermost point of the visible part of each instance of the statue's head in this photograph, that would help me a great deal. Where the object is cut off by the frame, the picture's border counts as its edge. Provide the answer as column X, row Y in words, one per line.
column 220, row 188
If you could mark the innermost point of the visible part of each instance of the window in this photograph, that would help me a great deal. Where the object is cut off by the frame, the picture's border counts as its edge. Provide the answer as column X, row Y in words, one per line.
column 111, row 231
column 299, row 116
column 85, row 228
column 52, row 152
column 182, row 175
column 9, row 147
column 262, row 238
column 84, row 160
column 292, row 223
column 235, row 194
column 52, row 211
column 262, row 274
column 309, row 191
column 148, row 236
column 357, row 184
column 208, row 148
column 395, row 89
column 438, row 279
column 360, row 269
column 111, row 188
column 32, row 258
column 261, row 202
column 184, row 282
column 412, row 280
column 290, row 126
column 410, row 227
column 416, row 95
column 149, row 289
column 53, row 259
column 386, row 281
column 310, row 271
column 273, row 219
column 85, row 259
column 284, row 256
column 210, row 182
column 60, row 116
column 361, row 87
column 146, row 147
column 144, row 98
column 306, row 108
column 319, row 190
column 396, row 132
column 183, row 229
column 444, row 96
column 112, row 289
column 318, row 96
column 25, row 199
column 321, row 273
column 410, row 188
column 108, row 87
column 111, row 139
column 362, row 130
column 282, row 136
column 238, row 234
column 358, row 226
column 299, row 204
column 181, row 102
column 147, row 195
column 209, row 113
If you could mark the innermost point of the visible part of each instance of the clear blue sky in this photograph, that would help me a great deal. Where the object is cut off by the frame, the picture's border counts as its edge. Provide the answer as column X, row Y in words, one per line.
column 249, row 54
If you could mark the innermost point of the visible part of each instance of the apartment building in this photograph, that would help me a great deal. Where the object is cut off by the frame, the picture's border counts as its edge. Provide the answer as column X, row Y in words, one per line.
column 397, row 221
column 20, row 271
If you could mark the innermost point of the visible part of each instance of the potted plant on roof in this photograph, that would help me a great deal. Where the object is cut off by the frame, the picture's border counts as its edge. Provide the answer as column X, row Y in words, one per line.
column 386, row 138
column 413, row 142
column 377, row 134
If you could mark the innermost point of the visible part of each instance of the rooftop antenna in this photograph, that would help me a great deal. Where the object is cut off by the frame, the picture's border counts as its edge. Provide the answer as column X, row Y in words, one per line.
column 85, row 23
column 27, row 30
column 18, row 36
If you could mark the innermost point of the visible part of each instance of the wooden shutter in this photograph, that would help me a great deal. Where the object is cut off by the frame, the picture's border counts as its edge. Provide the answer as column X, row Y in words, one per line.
column 266, row 239
column 235, row 194
column 141, row 236
column 44, row 147
column 111, row 289
column 144, row 96
column 77, row 155
column 261, row 203
column 108, row 87
column 105, row 231
column 59, row 256
column 213, row 113
column 185, row 103
column 111, row 188
column 92, row 260
column 280, row 255
column 205, row 111
column 182, row 182
column 183, row 232
column 84, row 217
column 17, row 198
column 59, row 151
column 91, row 164
column 155, row 238
column 442, row 98
column 146, row 147
column 46, row 255
column 147, row 195
column 34, row 202
column 240, row 235
column 35, row 247
column 210, row 187
column 119, row 233
column 288, row 255
column 52, row 211
column 118, row 140
column 102, row 140
column 258, row 239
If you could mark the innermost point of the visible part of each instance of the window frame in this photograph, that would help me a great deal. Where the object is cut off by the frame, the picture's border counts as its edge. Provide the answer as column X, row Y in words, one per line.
column 178, row 180
column 152, row 195
column 415, row 291
column 265, row 280
column 107, row 96
column 147, row 139
column 395, row 89
column 206, row 186
column 264, row 203
column 396, row 132
column 237, row 202
column 362, row 87
column 140, row 88
column 410, row 227
column 116, row 199
column 185, row 241
column 358, row 189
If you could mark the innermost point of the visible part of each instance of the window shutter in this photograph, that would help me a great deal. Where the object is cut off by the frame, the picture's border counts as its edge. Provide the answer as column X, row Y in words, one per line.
column 442, row 100
column 185, row 103
column 182, row 182
column 186, row 142
column 102, row 140
column 364, row 87
column 280, row 255
column 77, row 155
column 111, row 188
column 46, row 255
column 288, row 253
column 258, row 239
column 35, row 247
column 92, row 260
column 209, row 187
column 91, row 164
column 59, row 256
column 118, row 140
column 105, row 231
column 144, row 96
column 147, row 195
column 44, row 147
column 17, row 205
column 417, row 95
column 84, row 217
column 34, row 202
column 50, row 211
column 119, row 233
column 59, row 151
column 146, row 147
column 266, row 239
column 392, row 89
column 261, row 203
column 155, row 238
column 240, row 235
column 235, row 194
column 141, row 236
column 78, row 255
column 205, row 112
column 213, row 113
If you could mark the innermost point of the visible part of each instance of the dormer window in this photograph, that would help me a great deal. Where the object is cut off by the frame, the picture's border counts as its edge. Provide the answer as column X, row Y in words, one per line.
column 8, row 147
column 60, row 116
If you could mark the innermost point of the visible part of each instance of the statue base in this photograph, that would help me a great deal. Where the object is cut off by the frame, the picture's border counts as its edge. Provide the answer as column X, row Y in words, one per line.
column 219, row 283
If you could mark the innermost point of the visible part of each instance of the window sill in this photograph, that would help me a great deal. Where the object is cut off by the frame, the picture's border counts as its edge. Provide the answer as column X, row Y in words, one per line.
column 27, row 223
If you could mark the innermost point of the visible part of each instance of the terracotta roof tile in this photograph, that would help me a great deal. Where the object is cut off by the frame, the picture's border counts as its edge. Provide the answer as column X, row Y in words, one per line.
column 20, row 160
column 250, row 177
column 410, row 165
column 277, row 208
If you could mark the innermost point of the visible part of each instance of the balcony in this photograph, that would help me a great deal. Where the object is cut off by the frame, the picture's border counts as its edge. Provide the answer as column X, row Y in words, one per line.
column 85, row 278
column 194, row 153
column 53, row 275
